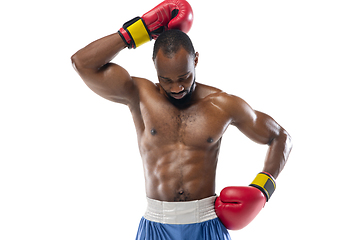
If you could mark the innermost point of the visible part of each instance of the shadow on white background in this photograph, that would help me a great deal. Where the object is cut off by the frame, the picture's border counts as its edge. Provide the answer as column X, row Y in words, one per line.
column 69, row 161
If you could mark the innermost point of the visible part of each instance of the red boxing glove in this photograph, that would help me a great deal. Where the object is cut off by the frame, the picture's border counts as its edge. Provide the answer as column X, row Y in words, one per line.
column 170, row 14
column 236, row 207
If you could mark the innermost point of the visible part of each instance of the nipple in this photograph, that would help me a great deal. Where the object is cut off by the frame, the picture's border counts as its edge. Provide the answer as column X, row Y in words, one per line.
column 153, row 132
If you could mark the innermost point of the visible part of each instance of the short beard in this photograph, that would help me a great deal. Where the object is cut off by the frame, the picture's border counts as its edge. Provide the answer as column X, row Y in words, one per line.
column 183, row 101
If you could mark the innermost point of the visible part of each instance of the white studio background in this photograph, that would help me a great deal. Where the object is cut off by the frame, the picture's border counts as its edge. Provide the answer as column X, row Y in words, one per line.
column 69, row 161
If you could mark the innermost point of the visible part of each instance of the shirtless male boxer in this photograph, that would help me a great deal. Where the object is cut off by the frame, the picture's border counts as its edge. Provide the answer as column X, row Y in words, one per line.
column 179, row 124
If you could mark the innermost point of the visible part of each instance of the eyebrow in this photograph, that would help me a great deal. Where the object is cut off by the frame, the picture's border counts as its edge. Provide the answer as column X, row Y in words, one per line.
column 183, row 75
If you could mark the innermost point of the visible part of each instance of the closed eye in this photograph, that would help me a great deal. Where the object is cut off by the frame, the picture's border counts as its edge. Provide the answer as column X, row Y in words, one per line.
column 184, row 78
column 165, row 80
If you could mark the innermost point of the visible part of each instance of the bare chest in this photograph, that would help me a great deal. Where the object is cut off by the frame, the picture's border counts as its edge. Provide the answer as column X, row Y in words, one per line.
column 197, row 126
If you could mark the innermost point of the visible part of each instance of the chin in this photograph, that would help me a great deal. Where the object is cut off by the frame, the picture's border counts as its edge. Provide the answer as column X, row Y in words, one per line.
column 181, row 102
column 184, row 101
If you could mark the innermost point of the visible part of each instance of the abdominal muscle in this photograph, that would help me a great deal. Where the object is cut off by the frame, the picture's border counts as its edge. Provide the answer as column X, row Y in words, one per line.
column 177, row 173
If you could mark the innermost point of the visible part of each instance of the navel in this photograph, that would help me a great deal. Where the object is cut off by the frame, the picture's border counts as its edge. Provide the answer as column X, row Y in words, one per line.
column 181, row 195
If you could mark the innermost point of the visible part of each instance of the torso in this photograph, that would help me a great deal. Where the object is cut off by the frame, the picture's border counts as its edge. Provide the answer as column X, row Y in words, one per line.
column 179, row 147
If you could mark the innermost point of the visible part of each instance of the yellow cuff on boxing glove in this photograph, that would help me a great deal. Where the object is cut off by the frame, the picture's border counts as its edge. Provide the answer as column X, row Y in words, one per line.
column 265, row 183
column 135, row 32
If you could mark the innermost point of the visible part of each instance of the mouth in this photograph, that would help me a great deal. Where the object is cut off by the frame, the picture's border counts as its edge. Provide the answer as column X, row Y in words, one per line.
column 178, row 95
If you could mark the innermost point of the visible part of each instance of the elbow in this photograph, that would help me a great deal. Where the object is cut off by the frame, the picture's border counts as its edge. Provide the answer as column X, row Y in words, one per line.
column 73, row 58
column 284, row 137
column 287, row 140
column 76, row 63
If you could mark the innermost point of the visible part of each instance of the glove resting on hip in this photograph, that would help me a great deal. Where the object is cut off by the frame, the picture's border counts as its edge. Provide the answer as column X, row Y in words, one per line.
column 236, row 207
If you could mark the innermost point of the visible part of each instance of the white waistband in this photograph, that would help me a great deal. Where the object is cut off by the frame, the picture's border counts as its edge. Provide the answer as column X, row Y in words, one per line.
column 180, row 212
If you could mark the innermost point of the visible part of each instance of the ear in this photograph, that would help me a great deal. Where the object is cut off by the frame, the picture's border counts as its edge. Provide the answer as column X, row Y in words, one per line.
column 196, row 58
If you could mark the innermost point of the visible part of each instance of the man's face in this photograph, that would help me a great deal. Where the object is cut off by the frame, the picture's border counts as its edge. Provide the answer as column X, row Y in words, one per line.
column 177, row 75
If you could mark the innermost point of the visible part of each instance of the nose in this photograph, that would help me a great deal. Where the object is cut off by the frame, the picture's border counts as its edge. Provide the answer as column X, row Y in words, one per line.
column 177, row 88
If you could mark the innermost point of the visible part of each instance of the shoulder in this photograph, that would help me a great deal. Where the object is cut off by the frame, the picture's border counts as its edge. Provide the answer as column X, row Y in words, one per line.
column 143, row 82
column 218, row 96
column 234, row 106
column 148, row 90
column 137, row 88
column 145, row 86
column 205, row 92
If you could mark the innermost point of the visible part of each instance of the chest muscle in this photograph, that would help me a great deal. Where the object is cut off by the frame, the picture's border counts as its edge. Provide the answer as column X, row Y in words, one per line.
column 197, row 126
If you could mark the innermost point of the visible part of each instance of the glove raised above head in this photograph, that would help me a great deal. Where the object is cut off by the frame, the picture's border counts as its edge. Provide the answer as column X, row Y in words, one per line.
column 170, row 14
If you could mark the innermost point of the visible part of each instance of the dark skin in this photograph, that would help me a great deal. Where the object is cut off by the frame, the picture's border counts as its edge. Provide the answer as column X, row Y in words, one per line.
column 179, row 142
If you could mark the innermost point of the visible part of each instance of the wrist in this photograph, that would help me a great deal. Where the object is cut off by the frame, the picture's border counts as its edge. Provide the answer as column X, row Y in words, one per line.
column 125, row 37
column 135, row 32
column 265, row 182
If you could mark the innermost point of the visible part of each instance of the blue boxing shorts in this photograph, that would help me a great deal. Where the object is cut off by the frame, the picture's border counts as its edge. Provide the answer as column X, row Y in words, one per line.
column 181, row 220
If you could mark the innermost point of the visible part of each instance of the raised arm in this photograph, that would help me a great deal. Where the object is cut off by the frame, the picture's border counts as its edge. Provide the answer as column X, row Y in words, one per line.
column 112, row 81
column 106, row 79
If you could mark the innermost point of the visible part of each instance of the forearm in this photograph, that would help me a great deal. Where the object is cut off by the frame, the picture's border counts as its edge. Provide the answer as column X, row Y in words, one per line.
column 98, row 53
column 278, row 153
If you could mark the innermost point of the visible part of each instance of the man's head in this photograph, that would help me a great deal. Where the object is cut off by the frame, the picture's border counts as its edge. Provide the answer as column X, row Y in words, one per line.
column 175, row 61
